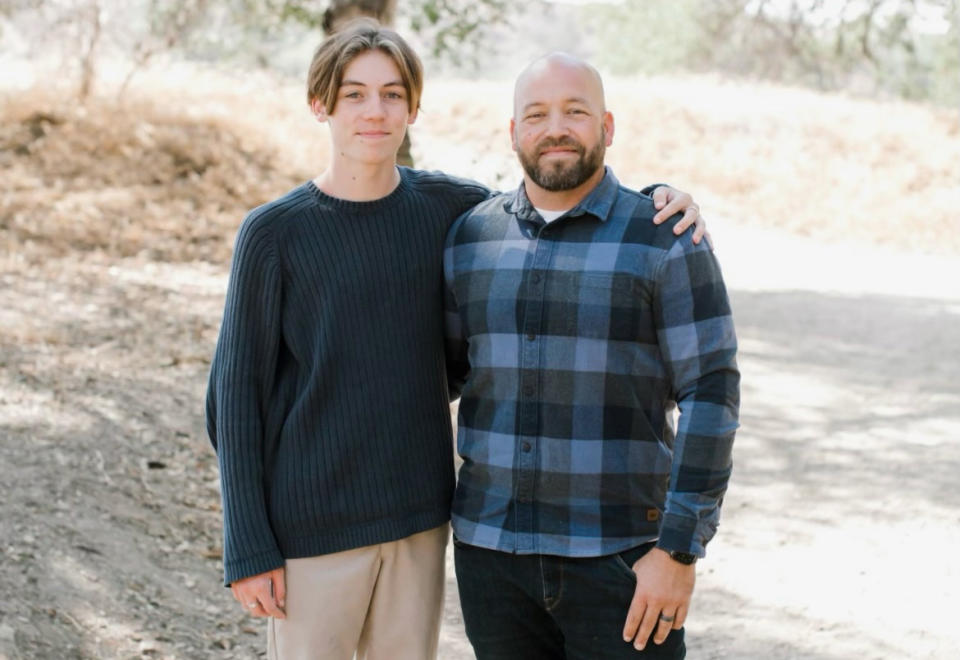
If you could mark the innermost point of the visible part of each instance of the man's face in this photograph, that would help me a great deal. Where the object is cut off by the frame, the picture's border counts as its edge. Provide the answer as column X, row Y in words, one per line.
column 560, row 128
column 371, row 114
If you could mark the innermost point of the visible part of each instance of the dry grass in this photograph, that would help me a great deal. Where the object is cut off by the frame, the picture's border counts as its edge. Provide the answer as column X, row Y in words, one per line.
column 170, row 173
column 818, row 165
column 141, row 179
column 812, row 164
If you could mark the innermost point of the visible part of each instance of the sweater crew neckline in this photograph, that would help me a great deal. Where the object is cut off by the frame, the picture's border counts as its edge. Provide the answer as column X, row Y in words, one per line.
column 361, row 207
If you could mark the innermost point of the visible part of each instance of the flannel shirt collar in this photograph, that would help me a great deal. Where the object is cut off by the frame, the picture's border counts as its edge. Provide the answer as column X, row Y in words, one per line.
column 598, row 203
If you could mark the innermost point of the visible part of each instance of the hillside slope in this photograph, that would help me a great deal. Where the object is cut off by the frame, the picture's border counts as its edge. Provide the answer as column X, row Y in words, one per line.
column 174, row 180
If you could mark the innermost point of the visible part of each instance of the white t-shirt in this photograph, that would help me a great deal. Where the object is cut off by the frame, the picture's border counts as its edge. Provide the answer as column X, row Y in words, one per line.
column 550, row 216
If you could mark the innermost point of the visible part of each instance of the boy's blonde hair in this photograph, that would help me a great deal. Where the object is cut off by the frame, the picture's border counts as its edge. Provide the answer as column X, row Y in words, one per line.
column 356, row 38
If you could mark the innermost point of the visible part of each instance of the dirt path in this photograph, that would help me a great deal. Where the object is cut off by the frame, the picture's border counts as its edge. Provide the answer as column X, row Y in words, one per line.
column 837, row 532
column 843, row 508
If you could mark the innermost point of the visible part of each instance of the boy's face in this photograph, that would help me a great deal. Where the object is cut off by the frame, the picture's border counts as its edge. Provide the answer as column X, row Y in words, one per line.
column 372, row 111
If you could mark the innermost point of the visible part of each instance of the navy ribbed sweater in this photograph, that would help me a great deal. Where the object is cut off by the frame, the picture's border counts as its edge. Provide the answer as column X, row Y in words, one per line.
column 327, row 401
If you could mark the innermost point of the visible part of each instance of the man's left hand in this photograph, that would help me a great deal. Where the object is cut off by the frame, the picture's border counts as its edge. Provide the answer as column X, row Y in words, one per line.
column 670, row 201
column 661, row 599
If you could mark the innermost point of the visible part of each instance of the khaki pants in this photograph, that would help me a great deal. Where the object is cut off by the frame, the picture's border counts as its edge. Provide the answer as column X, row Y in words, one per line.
column 382, row 602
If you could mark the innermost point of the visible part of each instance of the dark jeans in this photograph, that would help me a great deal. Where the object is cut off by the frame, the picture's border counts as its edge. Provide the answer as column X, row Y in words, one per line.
column 540, row 607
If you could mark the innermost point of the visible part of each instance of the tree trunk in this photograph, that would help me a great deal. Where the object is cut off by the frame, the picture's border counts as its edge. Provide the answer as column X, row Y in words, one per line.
column 340, row 12
column 88, row 68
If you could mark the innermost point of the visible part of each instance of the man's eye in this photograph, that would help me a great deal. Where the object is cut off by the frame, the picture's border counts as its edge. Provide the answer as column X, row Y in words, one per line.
column 394, row 95
column 535, row 115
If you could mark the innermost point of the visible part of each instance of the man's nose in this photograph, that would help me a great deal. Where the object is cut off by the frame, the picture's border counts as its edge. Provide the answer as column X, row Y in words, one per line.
column 557, row 124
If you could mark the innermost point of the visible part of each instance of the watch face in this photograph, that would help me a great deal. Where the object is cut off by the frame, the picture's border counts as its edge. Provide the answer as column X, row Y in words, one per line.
column 683, row 557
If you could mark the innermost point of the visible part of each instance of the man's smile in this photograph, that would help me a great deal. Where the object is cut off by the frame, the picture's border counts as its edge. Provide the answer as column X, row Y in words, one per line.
column 559, row 151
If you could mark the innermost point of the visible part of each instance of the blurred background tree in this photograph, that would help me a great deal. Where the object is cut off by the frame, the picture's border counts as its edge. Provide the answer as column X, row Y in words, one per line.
column 880, row 48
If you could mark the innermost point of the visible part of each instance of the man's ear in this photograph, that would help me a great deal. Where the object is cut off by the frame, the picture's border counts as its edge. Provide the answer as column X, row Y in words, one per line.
column 513, row 134
column 608, row 127
column 319, row 109
column 413, row 116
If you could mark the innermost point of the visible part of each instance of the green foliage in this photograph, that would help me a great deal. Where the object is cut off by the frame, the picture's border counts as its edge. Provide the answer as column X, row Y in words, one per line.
column 876, row 47
column 309, row 14
column 646, row 36
column 455, row 28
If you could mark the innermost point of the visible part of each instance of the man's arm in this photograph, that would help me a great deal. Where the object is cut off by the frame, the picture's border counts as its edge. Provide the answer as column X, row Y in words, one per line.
column 241, row 379
column 455, row 342
column 697, row 340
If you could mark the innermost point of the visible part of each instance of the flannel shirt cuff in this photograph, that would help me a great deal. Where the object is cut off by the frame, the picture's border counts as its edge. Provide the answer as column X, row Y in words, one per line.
column 679, row 534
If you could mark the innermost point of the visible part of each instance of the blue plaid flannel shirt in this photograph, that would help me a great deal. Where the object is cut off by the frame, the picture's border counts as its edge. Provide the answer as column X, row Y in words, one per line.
column 574, row 343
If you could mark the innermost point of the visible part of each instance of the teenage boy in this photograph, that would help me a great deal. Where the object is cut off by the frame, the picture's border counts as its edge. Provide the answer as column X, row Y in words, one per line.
column 328, row 399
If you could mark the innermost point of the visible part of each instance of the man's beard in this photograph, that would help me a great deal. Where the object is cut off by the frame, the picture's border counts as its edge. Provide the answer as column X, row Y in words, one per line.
column 559, row 175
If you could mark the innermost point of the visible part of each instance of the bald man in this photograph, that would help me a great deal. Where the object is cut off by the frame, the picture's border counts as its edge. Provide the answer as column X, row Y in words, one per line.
column 575, row 328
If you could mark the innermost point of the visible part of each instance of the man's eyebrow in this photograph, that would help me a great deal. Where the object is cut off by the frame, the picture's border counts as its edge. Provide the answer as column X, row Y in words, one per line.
column 572, row 99
column 392, row 83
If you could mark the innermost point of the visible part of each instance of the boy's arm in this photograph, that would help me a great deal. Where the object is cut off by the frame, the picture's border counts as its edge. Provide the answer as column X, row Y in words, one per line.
column 670, row 201
column 241, row 379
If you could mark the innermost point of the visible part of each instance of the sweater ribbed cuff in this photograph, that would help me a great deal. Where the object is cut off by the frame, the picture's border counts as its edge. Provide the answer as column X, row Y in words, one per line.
column 237, row 569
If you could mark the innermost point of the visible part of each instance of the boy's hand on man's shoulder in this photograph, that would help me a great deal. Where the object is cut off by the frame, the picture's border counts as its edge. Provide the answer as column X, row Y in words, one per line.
column 670, row 201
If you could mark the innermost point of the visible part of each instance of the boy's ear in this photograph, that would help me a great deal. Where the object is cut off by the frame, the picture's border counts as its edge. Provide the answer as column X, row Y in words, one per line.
column 413, row 116
column 319, row 110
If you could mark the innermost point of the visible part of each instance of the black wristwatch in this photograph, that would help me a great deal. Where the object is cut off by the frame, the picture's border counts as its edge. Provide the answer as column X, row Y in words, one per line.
column 684, row 558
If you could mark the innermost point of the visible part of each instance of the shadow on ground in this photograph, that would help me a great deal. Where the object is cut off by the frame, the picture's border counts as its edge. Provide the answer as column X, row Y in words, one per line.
column 845, row 465
column 111, row 519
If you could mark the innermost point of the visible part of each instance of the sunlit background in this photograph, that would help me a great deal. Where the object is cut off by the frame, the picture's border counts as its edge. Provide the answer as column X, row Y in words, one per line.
column 821, row 139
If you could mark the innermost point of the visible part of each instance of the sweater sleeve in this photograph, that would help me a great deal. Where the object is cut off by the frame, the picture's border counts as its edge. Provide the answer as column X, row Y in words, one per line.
column 241, row 380
column 648, row 191
column 696, row 337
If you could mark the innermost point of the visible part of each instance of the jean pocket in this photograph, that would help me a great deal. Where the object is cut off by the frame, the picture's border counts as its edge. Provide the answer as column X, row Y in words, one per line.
column 623, row 566
column 626, row 559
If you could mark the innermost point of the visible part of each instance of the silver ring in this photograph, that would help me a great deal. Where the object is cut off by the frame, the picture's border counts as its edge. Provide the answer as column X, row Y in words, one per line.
column 252, row 605
column 668, row 619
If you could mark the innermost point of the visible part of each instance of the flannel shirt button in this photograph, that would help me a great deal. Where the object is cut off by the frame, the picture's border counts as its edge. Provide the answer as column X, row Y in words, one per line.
column 528, row 390
column 531, row 336
column 525, row 446
column 536, row 278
